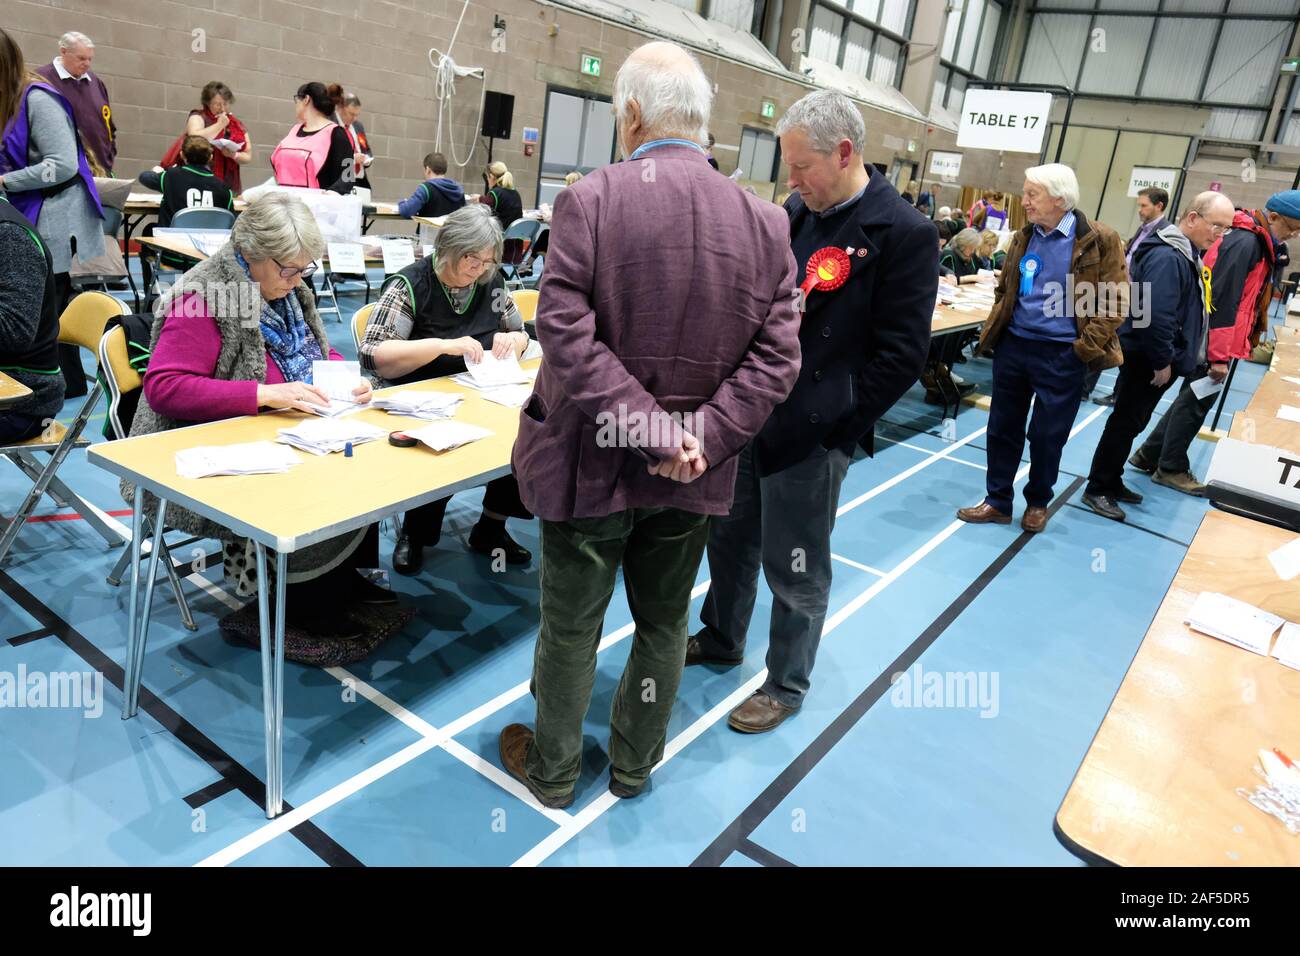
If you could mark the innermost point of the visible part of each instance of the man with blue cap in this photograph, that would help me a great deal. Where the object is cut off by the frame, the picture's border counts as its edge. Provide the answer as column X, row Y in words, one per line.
column 1241, row 269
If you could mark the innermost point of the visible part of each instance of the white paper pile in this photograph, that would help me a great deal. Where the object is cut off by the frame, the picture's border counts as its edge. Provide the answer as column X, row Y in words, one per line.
column 492, row 371
column 1287, row 649
column 249, row 458
column 333, row 409
column 430, row 406
column 444, row 435
column 513, row 396
column 1233, row 621
column 336, row 379
column 320, row 436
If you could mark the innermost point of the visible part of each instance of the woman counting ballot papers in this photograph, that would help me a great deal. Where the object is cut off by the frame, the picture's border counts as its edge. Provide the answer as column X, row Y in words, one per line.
column 434, row 316
column 209, row 362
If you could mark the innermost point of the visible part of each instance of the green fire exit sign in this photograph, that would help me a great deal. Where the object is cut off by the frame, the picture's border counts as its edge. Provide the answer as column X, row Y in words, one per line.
column 1291, row 64
column 590, row 64
column 769, row 109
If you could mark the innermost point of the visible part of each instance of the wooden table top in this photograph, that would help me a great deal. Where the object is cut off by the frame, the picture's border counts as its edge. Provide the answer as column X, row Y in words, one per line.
column 11, row 390
column 183, row 248
column 325, row 495
column 1157, row 786
column 1258, row 422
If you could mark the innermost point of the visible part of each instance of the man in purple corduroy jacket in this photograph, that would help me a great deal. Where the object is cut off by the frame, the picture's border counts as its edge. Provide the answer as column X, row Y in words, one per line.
column 667, row 318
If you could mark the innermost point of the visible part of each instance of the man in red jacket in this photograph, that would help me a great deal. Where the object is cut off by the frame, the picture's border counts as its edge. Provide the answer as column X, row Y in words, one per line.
column 1241, row 265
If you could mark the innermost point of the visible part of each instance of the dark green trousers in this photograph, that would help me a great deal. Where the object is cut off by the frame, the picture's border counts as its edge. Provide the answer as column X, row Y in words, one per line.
column 660, row 551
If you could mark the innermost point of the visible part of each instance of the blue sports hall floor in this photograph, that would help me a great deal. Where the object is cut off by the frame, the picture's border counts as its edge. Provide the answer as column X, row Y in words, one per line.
column 394, row 761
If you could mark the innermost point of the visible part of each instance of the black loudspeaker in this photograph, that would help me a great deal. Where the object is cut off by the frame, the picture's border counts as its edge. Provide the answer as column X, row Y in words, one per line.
column 498, row 111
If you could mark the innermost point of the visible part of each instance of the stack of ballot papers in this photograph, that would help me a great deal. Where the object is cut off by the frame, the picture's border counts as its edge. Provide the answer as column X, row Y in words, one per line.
column 1233, row 621
column 336, row 379
column 320, row 436
column 333, row 409
column 444, row 435
column 491, row 372
column 431, row 406
column 512, row 396
column 249, row 458
column 1287, row 649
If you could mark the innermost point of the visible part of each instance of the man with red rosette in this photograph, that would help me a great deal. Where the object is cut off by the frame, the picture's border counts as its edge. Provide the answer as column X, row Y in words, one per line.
column 869, row 268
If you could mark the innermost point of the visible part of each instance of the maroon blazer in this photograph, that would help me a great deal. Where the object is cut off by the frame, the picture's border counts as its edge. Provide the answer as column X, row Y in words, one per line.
column 667, row 289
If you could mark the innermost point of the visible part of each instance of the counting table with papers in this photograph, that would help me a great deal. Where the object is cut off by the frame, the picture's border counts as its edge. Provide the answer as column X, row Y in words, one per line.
column 319, row 498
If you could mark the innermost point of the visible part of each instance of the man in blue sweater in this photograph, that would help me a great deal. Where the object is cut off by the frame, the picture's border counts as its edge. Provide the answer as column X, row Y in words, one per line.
column 1163, row 337
column 437, row 195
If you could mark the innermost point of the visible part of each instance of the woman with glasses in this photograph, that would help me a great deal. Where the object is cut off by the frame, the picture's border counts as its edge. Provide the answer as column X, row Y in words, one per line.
column 316, row 152
column 238, row 335
column 432, row 316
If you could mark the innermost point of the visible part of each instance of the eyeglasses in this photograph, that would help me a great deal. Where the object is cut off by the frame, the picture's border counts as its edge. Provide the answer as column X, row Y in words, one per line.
column 1219, row 230
column 479, row 263
column 289, row 272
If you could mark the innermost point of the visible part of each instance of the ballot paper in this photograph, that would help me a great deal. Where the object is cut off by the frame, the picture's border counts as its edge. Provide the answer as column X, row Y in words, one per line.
column 491, row 371
column 513, row 396
column 1203, row 387
column 249, row 458
column 333, row 409
column 336, row 379
column 320, row 436
column 225, row 145
column 444, row 435
column 1233, row 621
column 1289, row 413
column 1287, row 649
column 1286, row 560
column 1292, row 379
column 413, row 404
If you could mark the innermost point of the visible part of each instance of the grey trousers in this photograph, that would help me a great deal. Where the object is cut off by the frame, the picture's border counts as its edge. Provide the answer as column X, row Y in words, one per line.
column 1169, row 441
column 781, row 523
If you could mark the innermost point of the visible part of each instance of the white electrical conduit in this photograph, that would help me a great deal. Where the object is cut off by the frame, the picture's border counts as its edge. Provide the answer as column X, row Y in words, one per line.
column 444, row 88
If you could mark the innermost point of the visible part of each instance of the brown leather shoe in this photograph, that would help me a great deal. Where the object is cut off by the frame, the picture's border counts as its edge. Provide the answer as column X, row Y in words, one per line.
column 983, row 513
column 514, row 743
column 1035, row 519
column 695, row 654
column 759, row 714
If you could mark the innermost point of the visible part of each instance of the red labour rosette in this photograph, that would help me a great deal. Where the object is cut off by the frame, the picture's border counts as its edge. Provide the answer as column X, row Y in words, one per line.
column 827, row 270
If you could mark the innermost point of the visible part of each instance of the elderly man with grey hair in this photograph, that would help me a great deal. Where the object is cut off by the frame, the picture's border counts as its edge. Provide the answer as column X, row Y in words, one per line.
column 667, row 346
column 869, row 264
column 70, row 74
column 434, row 316
column 1062, row 295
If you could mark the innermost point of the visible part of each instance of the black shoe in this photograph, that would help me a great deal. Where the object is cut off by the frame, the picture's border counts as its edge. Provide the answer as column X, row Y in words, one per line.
column 624, row 791
column 1127, row 496
column 695, row 654
column 490, row 536
column 408, row 557
column 366, row 591
column 1103, row 505
column 1140, row 461
column 1107, row 400
column 965, row 388
column 330, row 625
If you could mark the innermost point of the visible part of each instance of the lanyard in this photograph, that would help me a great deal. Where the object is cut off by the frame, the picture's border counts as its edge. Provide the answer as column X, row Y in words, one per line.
column 665, row 142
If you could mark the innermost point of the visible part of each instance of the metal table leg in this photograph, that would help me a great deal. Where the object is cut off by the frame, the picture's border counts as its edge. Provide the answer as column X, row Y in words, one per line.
column 273, row 676
column 138, row 638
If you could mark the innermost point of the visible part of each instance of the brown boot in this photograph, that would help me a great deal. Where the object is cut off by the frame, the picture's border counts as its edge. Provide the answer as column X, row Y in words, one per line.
column 759, row 714
column 983, row 513
column 1185, row 482
column 514, row 743
column 1034, row 520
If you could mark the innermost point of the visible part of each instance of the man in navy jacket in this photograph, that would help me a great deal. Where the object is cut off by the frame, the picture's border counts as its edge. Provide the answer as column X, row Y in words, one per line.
column 1163, row 337
column 868, row 262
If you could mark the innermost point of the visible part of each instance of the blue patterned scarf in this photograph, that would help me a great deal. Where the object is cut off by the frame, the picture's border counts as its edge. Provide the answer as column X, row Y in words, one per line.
column 291, row 344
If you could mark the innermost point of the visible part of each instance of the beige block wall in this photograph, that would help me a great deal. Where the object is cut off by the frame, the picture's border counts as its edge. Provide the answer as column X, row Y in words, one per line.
column 263, row 49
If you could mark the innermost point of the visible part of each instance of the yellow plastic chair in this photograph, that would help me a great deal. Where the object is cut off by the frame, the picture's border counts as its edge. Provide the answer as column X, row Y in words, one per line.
column 526, row 303
column 359, row 322
column 82, row 324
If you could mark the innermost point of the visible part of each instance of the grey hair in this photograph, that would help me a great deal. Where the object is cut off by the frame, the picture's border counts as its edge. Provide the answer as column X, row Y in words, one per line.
column 1205, row 201
column 672, row 100
column 967, row 238
column 73, row 38
column 467, row 230
column 277, row 226
column 1059, row 181
column 827, row 117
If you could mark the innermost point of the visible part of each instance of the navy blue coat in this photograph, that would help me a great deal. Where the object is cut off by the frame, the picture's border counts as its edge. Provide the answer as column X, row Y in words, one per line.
column 865, row 343
column 1171, row 327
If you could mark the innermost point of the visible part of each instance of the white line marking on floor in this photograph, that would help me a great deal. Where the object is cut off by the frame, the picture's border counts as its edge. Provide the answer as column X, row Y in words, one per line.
column 855, row 564
column 503, row 780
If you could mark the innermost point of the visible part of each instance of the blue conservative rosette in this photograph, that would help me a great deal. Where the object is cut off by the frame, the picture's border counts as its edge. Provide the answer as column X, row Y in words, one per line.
column 1030, row 266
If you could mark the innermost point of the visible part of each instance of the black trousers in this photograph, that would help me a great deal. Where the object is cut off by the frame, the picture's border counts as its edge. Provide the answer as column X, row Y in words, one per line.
column 423, row 525
column 1135, row 402
column 330, row 593
column 74, row 376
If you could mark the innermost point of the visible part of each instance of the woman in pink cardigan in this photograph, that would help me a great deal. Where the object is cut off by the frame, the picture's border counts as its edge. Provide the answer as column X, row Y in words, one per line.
column 236, row 335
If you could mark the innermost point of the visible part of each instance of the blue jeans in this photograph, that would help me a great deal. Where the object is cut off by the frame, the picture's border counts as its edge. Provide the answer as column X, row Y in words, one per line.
column 1052, row 375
